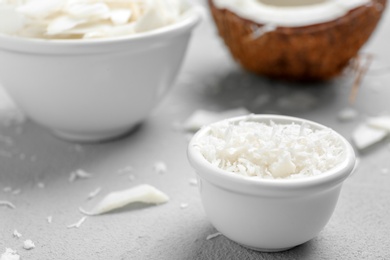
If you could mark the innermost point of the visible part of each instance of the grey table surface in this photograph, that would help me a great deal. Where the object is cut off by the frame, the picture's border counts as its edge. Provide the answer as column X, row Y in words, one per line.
column 210, row 79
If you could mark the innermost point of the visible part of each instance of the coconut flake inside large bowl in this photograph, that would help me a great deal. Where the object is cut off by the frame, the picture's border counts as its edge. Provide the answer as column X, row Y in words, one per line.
column 78, row 19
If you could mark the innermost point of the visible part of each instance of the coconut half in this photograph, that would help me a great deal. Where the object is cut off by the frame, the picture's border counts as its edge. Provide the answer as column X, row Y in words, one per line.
column 296, row 39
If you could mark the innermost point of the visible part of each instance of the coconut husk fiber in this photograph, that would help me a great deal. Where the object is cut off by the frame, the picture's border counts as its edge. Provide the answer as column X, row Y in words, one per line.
column 315, row 52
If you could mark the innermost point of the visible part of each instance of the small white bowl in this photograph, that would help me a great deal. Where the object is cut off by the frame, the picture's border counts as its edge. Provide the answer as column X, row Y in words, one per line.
column 96, row 89
column 269, row 214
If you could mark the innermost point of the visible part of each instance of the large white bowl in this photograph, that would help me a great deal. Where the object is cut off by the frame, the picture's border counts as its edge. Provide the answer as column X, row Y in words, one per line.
column 269, row 214
column 96, row 89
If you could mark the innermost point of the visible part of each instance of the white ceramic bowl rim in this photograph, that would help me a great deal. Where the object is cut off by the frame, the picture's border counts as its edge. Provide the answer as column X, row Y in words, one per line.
column 192, row 16
column 272, row 187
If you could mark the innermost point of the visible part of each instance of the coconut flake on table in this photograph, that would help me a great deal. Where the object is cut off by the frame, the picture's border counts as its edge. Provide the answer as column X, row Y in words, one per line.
column 7, row 204
column 160, row 167
column 380, row 122
column 78, row 223
column 347, row 114
column 28, row 244
column 203, row 117
column 16, row 234
column 270, row 150
column 142, row 193
column 10, row 254
column 79, row 174
column 72, row 19
column 94, row 193
column 365, row 136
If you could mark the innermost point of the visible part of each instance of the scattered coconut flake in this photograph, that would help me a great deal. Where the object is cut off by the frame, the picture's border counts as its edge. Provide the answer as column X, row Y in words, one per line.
column 184, row 205
column 79, row 174
column 7, row 189
column 193, row 181
column 258, row 31
column 41, row 185
column 203, row 117
column 270, row 150
column 125, row 170
column 143, row 193
column 10, row 254
column 16, row 192
column 94, row 193
column 380, row 122
column 7, row 204
column 131, row 177
column 160, row 167
column 78, row 223
column 78, row 148
column 49, row 219
column 17, row 234
column 365, row 136
column 217, row 234
column 28, row 244
column 347, row 114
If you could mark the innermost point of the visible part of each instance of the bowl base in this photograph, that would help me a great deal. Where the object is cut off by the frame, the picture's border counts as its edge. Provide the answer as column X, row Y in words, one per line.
column 94, row 137
column 268, row 250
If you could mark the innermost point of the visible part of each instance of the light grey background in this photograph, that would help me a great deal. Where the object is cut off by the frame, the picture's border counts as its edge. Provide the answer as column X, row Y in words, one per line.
column 359, row 228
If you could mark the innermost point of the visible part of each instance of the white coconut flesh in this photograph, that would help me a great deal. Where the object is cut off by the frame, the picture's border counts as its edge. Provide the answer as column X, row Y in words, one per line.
column 290, row 13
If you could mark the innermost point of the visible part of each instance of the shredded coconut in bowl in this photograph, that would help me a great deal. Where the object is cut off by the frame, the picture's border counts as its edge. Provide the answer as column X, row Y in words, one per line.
column 84, row 19
column 271, row 150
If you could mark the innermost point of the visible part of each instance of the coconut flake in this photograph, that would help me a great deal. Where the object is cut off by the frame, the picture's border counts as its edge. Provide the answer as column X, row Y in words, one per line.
column 212, row 236
column 16, row 234
column 365, row 136
column 28, row 244
column 183, row 205
column 70, row 19
column 347, row 114
column 49, row 219
column 120, row 16
column 380, row 122
column 160, row 167
column 143, row 193
column 78, row 223
column 7, row 204
column 193, row 182
column 94, row 193
column 79, row 174
column 10, row 254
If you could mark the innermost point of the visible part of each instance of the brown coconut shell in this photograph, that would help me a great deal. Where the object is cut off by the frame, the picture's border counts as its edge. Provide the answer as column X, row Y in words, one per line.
column 315, row 52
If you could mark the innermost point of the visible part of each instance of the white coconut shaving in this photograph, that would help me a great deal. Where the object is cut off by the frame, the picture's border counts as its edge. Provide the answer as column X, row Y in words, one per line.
column 16, row 234
column 77, row 19
column 79, row 174
column 78, row 223
column 28, row 244
column 142, row 193
column 212, row 236
column 10, row 254
column 271, row 150
column 7, row 204
column 365, row 136
column 94, row 193
column 160, row 167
